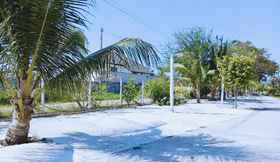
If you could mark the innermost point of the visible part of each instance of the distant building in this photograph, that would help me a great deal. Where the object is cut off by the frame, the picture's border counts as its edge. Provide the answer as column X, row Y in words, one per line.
column 136, row 73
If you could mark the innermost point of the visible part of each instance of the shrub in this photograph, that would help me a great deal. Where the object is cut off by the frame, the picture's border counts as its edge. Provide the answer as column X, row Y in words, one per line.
column 182, row 92
column 102, row 88
column 101, row 93
column 273, row 91
column 158, row 90
column 130, row 92
column 56, row 97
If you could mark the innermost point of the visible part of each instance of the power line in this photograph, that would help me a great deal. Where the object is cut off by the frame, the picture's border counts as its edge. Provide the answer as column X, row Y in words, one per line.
column 134, row 18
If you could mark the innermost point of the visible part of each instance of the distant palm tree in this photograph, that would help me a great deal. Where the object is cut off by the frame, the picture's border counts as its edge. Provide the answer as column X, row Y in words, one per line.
column 219, row 49
column 42, row 39
column 193, row 48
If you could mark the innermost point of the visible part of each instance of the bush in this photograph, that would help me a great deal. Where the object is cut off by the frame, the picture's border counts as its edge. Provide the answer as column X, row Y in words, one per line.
column 102, row 93
column 177, row 101
column 182, row 92
column 164, row 101
column 158, row 90
column 102, row 88
column 130, row 92
column 273, row 91
column 55, row 97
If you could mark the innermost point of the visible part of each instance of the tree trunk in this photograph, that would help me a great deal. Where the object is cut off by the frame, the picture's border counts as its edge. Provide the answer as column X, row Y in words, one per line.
column 19, row 128
column 213, row 93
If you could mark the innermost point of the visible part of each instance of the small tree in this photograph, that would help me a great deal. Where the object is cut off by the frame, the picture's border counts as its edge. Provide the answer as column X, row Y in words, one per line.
column 81, row 96
column 130, row 92
column 237, row 71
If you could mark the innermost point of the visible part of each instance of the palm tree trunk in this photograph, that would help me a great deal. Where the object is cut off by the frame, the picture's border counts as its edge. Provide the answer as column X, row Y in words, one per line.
column 19, row 129
column 213, row 93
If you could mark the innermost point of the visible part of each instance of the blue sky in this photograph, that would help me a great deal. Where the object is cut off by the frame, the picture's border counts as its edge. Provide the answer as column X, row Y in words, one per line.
column 156, row 20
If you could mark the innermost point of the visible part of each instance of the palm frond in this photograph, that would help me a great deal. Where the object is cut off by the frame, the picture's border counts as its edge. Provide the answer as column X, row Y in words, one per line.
column 31, row 29
column 126, row 53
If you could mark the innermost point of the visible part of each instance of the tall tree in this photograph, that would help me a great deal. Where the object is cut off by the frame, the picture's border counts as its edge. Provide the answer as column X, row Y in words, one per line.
column 264, row 66
column 43, row 39
column 219, row 48
column 193, row 53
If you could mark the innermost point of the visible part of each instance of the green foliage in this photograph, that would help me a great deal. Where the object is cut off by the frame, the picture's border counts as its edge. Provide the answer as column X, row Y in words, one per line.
column 102, row 88
column 237, row 70
column 197, row 53
column 273, row 91
column 47, row 41
column 52, row 96
column 106, row 96
column 182, row 92
column 158, row 90
column 4, row 98
column 130, row 92
column 131, row 51
column 274, row 88
column 263, row 66
column 5, row 115
column 102, row 93
column 44, row 40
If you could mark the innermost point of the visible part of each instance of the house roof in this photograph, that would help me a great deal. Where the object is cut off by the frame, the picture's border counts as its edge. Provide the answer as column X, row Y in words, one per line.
column 140, row 69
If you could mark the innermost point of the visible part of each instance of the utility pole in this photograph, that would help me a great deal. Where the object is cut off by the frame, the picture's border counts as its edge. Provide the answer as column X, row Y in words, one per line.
column 89, row 92
column 42, row 84
column 121, row 87
column 101, row 38
column 172, row 83
column 222, row 90
column 90, row 77
column 142, row 91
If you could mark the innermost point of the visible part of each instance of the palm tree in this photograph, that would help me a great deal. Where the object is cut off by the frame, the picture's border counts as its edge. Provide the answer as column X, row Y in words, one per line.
column 43, row 39
column 193, row 48
column 219, row 49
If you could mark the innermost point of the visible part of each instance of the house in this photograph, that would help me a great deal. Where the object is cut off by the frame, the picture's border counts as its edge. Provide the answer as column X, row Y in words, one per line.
column 137, row 73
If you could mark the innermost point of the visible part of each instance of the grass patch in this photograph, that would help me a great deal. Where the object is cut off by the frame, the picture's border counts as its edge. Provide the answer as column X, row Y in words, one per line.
column 6, row 106
column 5, row 115
column 277, row 97
column 52, row 110
column 106, row 96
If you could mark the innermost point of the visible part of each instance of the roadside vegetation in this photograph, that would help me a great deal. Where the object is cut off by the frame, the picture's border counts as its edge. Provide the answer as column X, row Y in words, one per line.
column 204, row 62
column 44, row 41
column 130, row 92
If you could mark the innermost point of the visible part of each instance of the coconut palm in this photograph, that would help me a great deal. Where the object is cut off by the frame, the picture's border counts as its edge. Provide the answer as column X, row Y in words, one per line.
column 219, row 48
column 193, row 48
column 43, row 39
